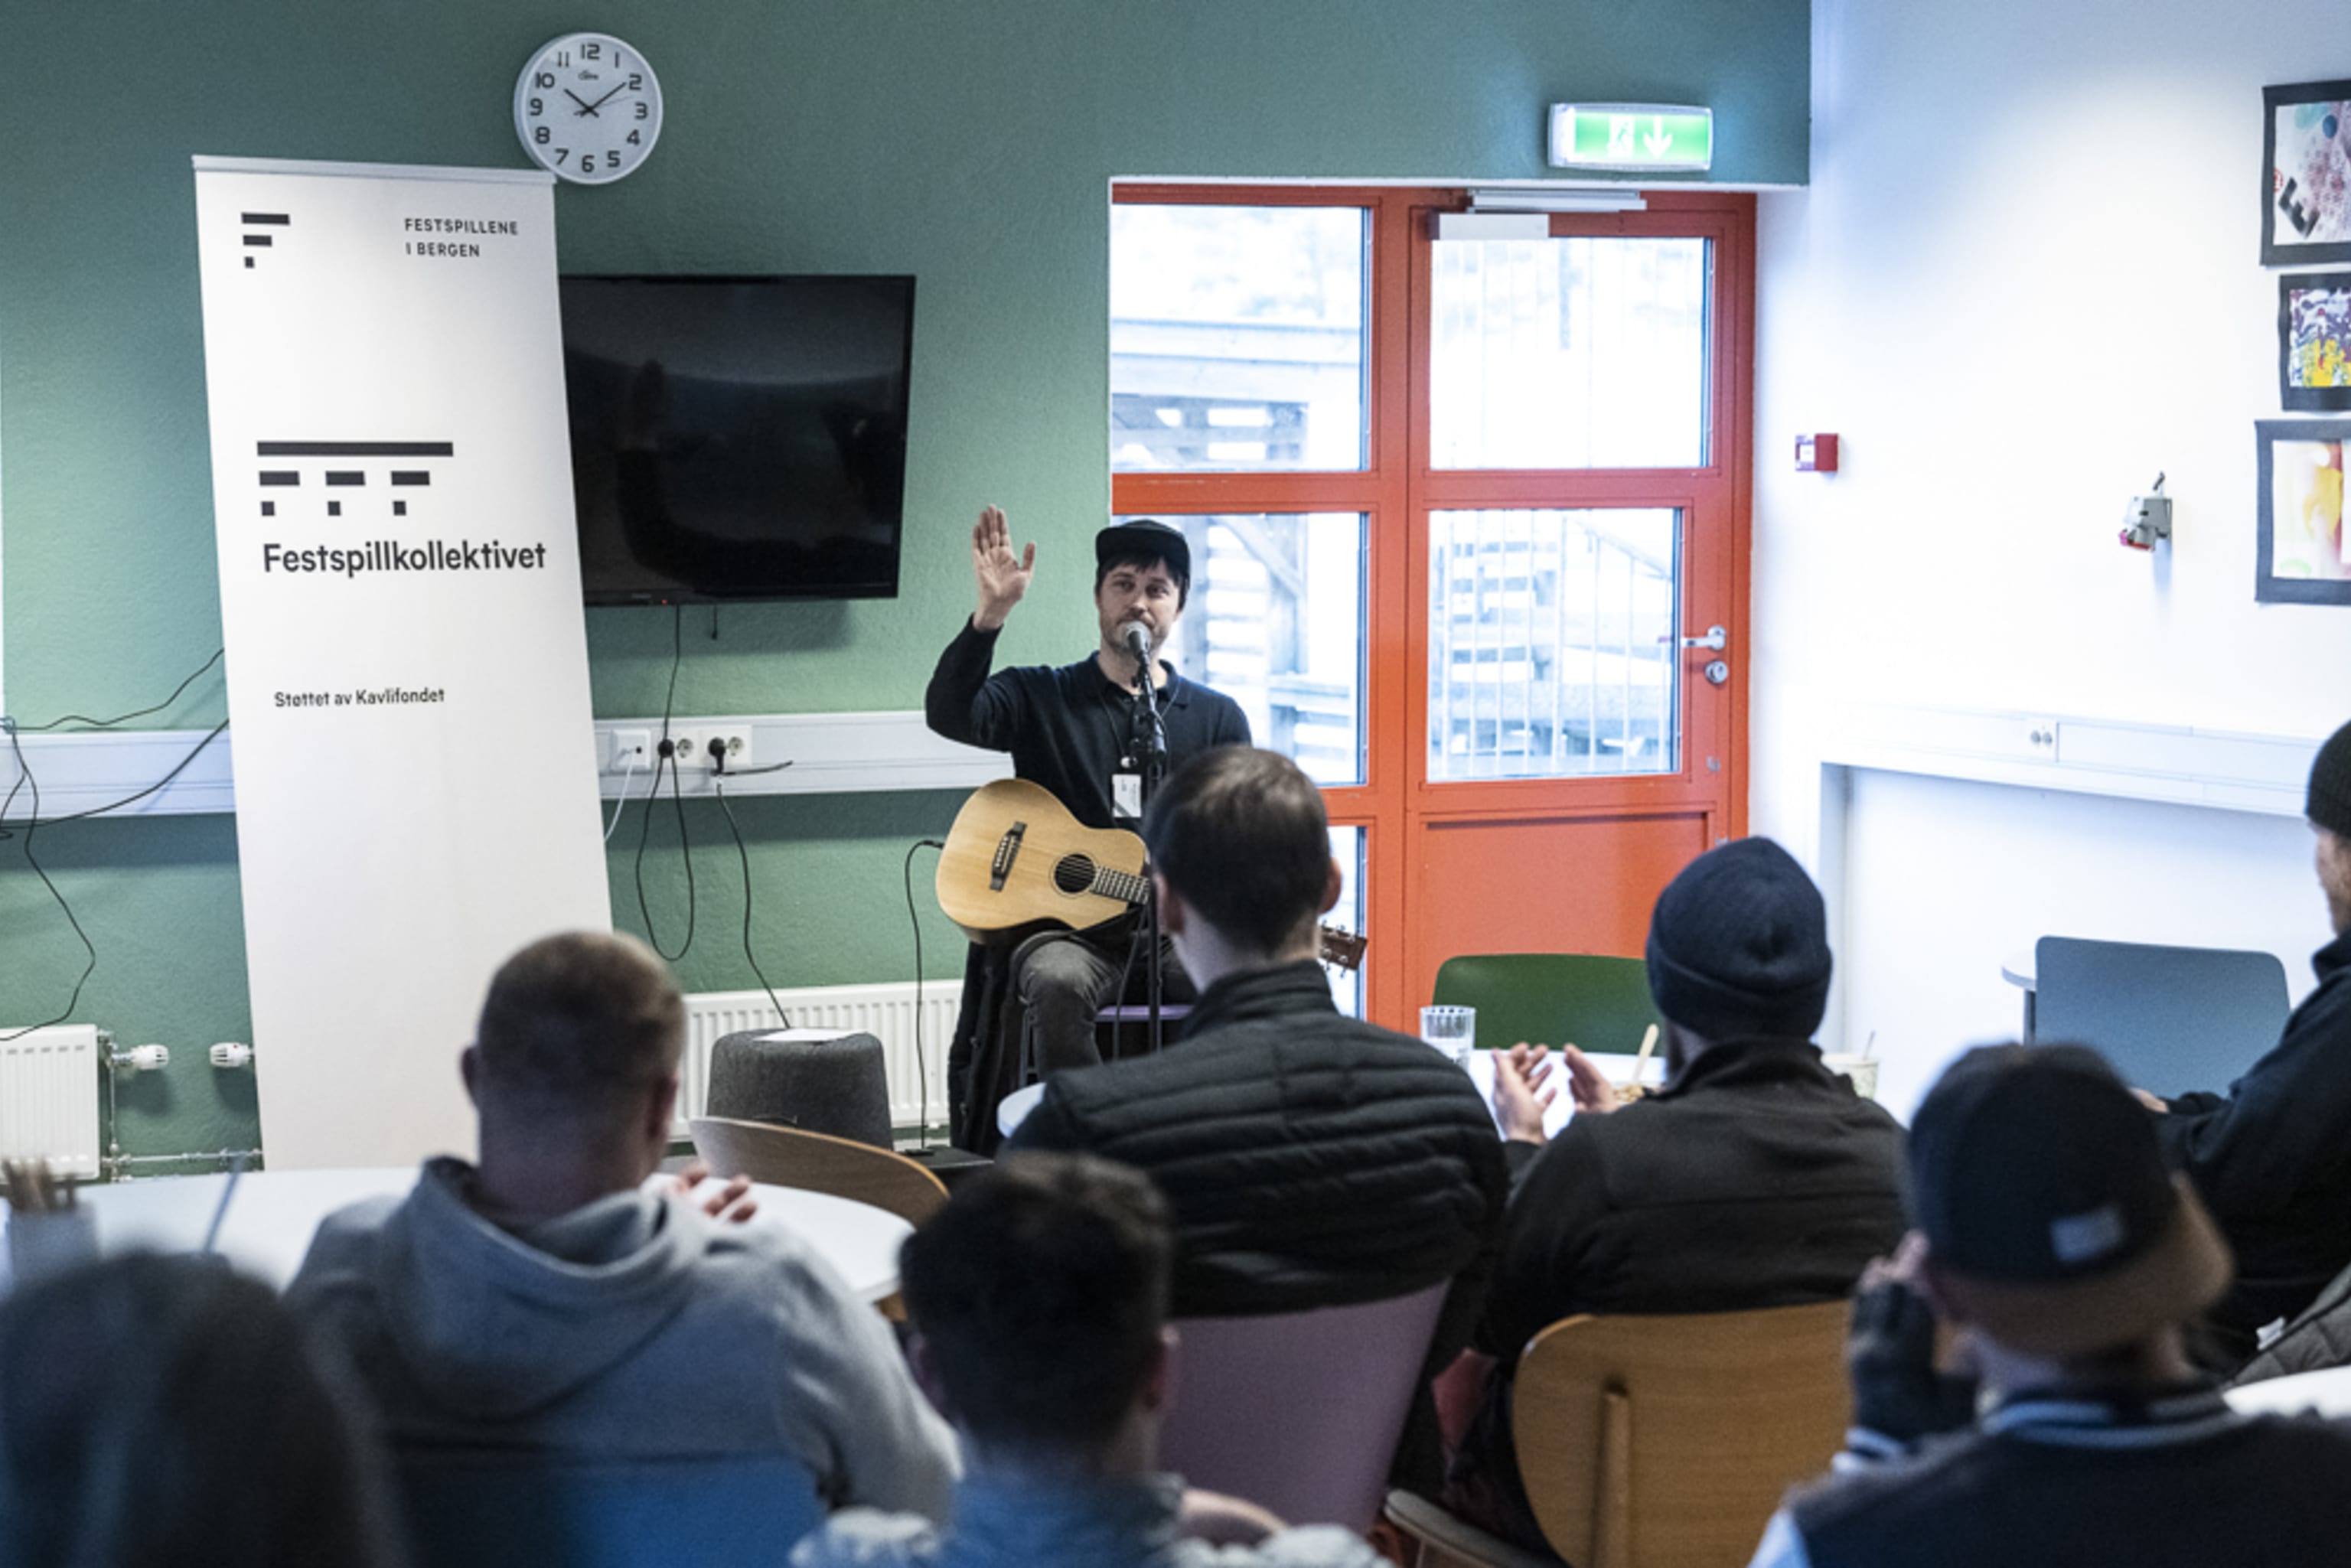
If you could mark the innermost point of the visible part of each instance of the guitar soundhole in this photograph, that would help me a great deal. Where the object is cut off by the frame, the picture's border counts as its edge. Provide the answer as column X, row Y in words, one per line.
column 1074, row 874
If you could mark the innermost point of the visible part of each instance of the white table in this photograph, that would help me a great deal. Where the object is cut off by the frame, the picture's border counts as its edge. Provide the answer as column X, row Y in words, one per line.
column 2328, row 1392
column 275, row 1213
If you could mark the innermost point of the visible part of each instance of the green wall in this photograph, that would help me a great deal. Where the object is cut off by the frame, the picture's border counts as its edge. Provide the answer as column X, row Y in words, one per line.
column 969, row 144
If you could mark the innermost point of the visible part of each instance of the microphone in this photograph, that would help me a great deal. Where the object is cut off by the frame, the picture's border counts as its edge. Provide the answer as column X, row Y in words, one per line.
column 1136, row 639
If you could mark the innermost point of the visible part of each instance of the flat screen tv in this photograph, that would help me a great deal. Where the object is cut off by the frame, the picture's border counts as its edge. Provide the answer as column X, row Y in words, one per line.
column 737, row 438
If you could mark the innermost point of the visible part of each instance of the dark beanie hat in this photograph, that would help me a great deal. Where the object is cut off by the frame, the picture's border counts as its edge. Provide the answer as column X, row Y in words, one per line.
column 2330, row 784
column 1739, row 945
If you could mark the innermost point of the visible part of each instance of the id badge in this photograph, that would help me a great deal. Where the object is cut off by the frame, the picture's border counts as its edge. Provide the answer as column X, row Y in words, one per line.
column 1127, row 794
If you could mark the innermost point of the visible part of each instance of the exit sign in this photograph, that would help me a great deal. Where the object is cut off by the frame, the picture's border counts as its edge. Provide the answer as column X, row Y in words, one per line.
column 1632, row 136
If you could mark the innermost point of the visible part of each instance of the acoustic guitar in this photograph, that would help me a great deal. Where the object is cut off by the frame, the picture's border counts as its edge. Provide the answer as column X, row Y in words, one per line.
column 1016, row 857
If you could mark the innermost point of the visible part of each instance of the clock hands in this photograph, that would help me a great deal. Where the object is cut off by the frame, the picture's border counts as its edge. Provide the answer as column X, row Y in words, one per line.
column 585, row 107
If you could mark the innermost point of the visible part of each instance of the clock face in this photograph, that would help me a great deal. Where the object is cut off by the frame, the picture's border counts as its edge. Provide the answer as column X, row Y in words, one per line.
column 587, row 108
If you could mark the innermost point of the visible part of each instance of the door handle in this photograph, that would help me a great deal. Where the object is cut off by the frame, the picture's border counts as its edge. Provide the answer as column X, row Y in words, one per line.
column 1715, row 639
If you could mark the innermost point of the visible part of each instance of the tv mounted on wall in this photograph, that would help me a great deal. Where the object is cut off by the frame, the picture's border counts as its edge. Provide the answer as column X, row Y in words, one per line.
column 737, row 438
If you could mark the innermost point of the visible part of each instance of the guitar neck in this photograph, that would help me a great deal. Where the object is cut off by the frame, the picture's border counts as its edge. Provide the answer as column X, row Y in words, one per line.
column 1124, row 886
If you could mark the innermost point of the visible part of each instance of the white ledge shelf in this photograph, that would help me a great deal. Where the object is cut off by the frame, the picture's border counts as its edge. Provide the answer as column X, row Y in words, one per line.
column 830, row 753
column 2180, row 765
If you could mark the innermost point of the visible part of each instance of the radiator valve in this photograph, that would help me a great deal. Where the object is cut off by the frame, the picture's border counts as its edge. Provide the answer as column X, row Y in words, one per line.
column 229, row 1055
column 142, row 1058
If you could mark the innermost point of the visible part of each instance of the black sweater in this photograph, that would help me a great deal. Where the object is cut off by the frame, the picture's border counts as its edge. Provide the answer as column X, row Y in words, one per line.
column 2271, row 1158
column 1756, row 1178
column 1070, row 728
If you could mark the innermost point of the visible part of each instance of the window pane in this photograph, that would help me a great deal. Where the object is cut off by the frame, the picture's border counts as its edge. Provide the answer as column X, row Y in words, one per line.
column 1554, row 643
column 1275, row 621
column 1236, row 338
column 1569, row 353
column 1347, row 849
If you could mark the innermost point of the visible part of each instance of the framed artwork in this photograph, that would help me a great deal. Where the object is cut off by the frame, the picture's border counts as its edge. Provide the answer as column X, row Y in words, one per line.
column 2306, row 173
column 2314, row 342
column 2302, row 554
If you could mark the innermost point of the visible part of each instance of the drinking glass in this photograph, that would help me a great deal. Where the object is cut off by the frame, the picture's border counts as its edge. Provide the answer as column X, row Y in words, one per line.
column 1453, row 1031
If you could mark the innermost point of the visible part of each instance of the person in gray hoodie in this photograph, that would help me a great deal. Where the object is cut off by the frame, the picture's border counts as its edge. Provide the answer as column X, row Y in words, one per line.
column 545, row 1301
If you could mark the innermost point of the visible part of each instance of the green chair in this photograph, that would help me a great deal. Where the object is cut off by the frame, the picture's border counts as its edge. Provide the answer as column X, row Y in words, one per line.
column 1551, row 999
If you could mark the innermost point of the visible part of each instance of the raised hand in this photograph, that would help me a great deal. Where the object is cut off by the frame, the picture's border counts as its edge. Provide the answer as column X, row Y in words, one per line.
column 1003, row 575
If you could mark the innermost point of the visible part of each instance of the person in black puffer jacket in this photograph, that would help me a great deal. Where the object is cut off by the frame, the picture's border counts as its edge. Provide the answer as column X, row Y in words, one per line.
column 1312, row 1159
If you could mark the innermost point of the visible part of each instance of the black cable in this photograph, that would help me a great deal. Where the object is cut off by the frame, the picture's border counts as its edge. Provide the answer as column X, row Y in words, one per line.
column 127, row 717
column 749, row 957
column 665, row 756
column 25, row 776
column 686, row 850
column 25, row 781
column 922, row 1062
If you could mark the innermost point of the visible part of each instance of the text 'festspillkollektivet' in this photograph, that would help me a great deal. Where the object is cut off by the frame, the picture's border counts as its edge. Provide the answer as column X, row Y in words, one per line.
column 383, row 555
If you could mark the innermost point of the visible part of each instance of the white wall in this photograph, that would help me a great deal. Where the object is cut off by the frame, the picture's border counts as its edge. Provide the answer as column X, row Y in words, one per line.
column 1946, row 881
column 2024, row 278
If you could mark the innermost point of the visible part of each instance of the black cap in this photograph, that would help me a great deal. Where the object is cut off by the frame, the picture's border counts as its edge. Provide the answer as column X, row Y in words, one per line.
column 2049, row 1216
column 1739, row 945
column 2330, row 784
column 1144, row 537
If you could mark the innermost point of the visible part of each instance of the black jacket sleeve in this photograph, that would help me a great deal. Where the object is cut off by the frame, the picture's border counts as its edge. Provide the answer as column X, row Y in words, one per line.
column 2284, row 1124
column 965, row 703
column 1559, row 1200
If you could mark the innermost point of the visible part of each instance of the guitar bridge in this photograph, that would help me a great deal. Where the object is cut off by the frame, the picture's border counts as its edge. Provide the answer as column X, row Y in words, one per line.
column 1008, row 849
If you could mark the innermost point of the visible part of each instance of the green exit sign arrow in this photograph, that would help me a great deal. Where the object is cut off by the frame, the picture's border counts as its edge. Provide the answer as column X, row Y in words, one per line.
column 1639, row 137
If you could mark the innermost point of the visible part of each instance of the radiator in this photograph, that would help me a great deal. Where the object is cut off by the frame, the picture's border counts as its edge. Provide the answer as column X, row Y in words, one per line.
column 886, row 1012
column 49, row 1081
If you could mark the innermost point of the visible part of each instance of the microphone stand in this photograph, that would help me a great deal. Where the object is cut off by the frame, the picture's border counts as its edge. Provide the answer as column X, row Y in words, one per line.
column 1151, row 754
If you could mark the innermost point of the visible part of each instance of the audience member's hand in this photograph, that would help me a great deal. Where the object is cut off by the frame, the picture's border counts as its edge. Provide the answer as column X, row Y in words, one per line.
column 1220, row 1520
column 1890, row 1355
column 2160, row 1107
column 1586, row 1084
column 1524, row 1091
column 730, row 1202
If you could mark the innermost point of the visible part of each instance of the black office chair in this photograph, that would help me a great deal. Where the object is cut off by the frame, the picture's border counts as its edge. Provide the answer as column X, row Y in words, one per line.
column 2169, row 1018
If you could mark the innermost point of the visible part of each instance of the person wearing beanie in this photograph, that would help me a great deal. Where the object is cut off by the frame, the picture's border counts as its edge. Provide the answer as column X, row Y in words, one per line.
column 2065, row 1259
column 1755, row 1177
column 2272, row 1158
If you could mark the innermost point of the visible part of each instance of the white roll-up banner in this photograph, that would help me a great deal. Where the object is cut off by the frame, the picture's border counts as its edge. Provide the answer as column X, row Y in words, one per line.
column 407, row 654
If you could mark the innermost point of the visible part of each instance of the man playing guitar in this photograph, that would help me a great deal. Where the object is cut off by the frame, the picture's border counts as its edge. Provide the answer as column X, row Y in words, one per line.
column 1082, row 732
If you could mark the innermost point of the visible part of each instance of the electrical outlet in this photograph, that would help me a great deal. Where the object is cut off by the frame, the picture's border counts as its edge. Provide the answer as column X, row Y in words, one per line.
column 631, row 748
column 735, row 739
column 685, row 750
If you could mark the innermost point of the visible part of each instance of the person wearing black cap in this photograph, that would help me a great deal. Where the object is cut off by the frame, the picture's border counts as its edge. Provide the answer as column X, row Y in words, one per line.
column 1755, row 1177
column 2051, row 1237
column 1081, row 731
column 2272, row 1158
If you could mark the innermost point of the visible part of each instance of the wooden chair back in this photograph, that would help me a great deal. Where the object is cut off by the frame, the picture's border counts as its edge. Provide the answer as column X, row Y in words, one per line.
column 1668, row 1441
column 818, row 1162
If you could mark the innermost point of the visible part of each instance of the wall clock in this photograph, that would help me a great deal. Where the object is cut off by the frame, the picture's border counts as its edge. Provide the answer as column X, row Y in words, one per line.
column 587, row 108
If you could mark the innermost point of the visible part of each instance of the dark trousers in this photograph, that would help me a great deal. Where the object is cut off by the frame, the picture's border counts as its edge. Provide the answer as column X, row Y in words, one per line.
column 1065, row 980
